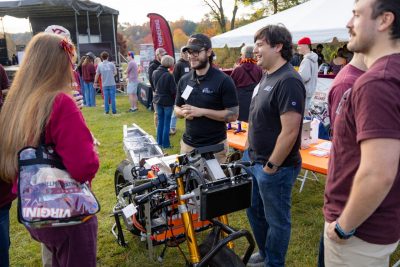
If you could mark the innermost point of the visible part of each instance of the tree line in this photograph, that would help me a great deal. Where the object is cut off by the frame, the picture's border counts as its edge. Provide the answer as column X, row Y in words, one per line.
column 215, row 22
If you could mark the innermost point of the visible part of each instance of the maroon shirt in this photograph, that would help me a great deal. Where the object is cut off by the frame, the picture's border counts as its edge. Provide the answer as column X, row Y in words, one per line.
column 4, row 83
column 5, row 189
column 342, row 82
column 6, row 196
column 370, row 110
column 246, row 74
column 88, row 72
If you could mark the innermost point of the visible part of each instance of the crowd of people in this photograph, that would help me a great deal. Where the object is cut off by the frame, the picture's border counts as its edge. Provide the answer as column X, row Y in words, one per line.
column 361, row 204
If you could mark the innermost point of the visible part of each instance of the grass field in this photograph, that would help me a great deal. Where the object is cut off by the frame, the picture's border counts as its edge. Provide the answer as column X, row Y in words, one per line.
column 306, row 206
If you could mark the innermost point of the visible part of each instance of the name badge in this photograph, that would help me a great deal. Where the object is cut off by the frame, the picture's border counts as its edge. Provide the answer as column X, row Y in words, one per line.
column 255, row 90
column 187, row 69
column 186, row 93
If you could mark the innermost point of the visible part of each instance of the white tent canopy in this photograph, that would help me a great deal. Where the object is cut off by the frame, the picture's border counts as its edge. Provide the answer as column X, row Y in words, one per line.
column 321, row 20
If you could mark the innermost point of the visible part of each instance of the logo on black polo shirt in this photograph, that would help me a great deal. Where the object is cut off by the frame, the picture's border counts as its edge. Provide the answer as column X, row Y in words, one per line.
column 207, row 91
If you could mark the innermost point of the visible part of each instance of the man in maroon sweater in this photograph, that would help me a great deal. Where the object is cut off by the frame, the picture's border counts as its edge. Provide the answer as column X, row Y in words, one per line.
column 362, row 204
column 246, row 76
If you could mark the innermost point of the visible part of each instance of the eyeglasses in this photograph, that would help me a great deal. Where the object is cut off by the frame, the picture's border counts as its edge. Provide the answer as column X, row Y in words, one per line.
column 194, row 53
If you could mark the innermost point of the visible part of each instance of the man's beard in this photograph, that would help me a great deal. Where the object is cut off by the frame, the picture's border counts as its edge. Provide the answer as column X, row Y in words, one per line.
column 202, row 64
column 359, row 46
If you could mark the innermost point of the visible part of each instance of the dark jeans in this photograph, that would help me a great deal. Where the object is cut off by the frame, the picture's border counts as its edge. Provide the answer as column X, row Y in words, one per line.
column 269, row 213
column 164, row 121
column 321, row 255
column 244, row 98
column 70, row 245
column 5, row 235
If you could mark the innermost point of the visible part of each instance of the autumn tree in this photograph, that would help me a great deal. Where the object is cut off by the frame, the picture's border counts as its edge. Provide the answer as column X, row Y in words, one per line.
column 180, row 38
column 217, row 10
column 187, row 26
column 208, row 27
column 218, row 13
column 275, row 6
column 122, row 43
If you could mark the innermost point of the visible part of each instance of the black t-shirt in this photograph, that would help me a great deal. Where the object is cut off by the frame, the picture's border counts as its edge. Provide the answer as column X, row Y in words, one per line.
column 279, row 92
column 216, row 91
column 181, row 68
column 152, row 67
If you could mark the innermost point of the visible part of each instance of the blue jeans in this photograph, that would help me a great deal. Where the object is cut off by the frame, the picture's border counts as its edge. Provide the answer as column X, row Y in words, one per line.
column 90, row 94
column 164, row 121
column 109, row 93
column 173, row 120
column 269, row 213
column 5, row 235
column 82, row 90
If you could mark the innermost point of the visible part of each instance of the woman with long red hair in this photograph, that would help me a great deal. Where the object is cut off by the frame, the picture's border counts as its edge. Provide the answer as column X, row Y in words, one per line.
column 39, row 101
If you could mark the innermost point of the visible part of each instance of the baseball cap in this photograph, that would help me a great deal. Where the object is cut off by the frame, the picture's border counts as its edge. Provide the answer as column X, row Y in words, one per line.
column 57, row 29
column 304, row 41
column 90, row 54
column 196, row 42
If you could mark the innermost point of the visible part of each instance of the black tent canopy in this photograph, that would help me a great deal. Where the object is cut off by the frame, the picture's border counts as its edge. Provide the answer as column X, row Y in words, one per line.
column 79, row 17
column 48, row 8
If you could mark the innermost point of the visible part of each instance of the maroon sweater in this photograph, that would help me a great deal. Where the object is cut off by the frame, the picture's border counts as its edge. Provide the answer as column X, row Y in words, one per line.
column 4, row 83
column 5, row 189
column 88, row 73
column 245, row 74
column 6, row 196
column 72, row 141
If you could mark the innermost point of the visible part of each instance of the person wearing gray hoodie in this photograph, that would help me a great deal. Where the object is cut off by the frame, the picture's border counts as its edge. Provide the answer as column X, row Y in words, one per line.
column 308, row 69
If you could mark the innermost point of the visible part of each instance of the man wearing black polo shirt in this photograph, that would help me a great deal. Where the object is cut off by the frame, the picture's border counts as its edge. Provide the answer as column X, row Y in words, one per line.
column 206, row 98
column 275, row 123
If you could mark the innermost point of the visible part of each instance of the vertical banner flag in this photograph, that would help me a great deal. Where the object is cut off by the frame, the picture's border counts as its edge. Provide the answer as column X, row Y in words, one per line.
column 161, row 33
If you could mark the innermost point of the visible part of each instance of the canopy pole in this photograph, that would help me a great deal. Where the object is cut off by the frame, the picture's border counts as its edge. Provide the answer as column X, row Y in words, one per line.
column 88, row 25
column 77, row 37
column 30, row 25
column 98, row 21
column 115, row 40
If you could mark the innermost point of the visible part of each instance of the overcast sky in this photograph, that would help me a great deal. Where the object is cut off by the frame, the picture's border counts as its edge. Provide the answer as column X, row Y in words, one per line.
column 135, row 12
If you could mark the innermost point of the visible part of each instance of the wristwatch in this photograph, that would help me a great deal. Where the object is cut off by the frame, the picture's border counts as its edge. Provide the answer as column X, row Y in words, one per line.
column 341, row 233
column 271, row 165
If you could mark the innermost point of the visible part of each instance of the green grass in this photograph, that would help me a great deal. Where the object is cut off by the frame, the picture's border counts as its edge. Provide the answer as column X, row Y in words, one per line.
column 306, row 207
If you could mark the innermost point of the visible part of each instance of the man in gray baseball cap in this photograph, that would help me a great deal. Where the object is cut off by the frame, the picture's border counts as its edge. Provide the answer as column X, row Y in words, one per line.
column 197, row 42
column 206, row 98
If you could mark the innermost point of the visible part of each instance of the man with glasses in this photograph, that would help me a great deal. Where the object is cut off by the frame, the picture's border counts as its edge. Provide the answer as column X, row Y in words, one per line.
column 206, row 98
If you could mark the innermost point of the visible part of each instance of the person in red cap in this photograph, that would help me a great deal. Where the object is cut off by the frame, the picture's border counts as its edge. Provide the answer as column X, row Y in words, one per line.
column 308, row 69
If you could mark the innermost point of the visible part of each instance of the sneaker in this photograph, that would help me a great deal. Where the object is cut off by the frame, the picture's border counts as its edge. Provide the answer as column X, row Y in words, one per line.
column 172, row 131
column 256, row 260
column 133, row 109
